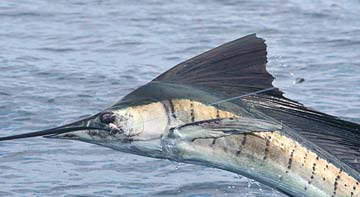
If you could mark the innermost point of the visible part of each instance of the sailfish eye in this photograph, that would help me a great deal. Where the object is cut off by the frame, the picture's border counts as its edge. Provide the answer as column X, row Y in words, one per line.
column 107, row 117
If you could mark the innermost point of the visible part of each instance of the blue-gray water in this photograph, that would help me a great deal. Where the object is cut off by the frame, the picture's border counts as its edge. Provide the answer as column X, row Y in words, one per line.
column 64, row 60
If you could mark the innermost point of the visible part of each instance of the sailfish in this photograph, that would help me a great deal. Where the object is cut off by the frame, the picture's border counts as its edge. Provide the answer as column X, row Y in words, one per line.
column 220, row 109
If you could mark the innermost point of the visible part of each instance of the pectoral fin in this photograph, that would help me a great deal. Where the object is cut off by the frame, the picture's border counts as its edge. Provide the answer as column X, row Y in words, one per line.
column 216, row 128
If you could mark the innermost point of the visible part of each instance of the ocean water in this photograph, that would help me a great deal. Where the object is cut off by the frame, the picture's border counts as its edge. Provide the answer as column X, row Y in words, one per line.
column 63, row 60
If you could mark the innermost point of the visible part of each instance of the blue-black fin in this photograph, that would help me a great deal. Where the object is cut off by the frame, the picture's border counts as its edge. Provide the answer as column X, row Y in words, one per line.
column 232, row 69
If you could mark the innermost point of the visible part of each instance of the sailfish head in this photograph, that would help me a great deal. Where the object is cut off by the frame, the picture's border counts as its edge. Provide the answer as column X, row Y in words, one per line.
column 120, row 129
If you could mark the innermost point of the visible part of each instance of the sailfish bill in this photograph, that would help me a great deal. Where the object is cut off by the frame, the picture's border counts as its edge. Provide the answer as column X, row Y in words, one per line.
column 220, row 109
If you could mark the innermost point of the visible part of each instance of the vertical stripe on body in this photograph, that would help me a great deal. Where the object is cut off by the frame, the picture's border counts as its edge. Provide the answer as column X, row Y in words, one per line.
column 192, row 114
column 290, row 161
column 267, row 147
column 172, row 109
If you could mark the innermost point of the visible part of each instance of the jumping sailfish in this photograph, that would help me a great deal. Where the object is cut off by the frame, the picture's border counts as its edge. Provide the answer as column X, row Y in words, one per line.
column 220, row 109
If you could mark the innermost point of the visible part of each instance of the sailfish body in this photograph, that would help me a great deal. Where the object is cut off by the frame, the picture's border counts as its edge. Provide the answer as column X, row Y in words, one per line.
column 185, row 115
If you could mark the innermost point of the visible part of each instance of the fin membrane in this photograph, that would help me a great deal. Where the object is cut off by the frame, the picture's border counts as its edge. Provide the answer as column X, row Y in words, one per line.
column 232, row 69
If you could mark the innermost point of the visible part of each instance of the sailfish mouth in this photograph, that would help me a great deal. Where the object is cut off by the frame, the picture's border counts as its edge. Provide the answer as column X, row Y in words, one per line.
column 85, row 124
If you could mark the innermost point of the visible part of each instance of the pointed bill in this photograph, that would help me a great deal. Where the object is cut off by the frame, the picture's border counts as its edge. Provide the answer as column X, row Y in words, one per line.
column 66, row 131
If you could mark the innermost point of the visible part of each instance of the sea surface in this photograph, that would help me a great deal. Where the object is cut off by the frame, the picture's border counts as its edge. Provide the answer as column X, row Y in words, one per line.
column 66, row 59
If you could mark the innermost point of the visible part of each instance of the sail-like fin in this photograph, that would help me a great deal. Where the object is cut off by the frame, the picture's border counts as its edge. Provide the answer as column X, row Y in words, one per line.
column 232, row 69
column 216, row 128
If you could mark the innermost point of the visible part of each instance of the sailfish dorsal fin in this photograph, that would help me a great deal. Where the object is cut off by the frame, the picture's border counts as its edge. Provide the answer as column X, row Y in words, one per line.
column 234, row 68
